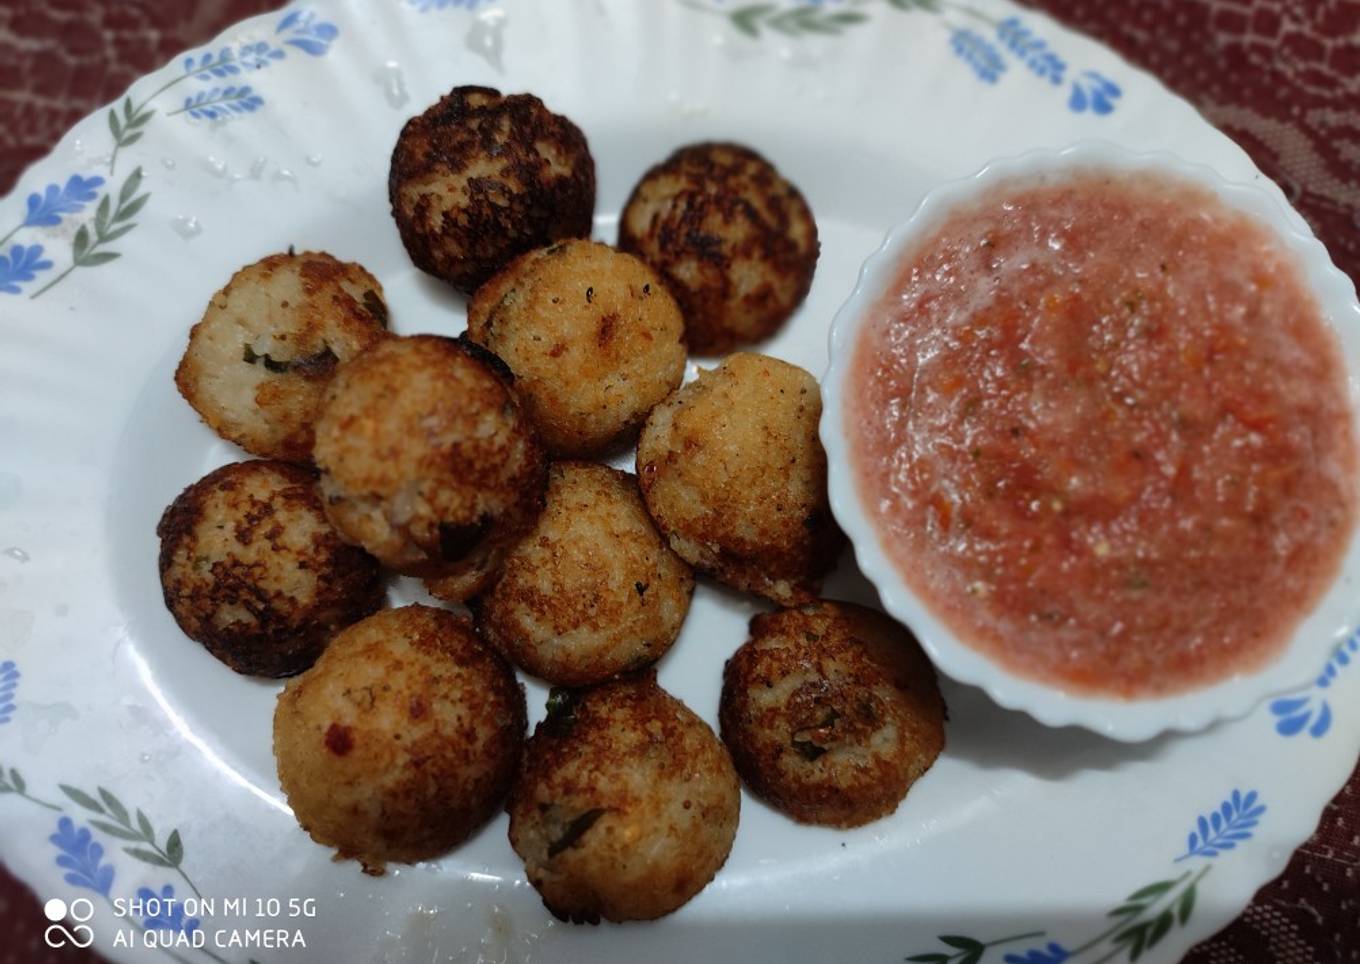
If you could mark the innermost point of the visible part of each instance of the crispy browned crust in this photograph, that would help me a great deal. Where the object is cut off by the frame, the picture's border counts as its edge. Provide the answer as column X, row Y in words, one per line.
column 594, row 337
column 402, row 740
column 626, row 803
column 698, row 213
column 593, row 590
column 529, row 179
column 433, row 423
column 280, row 423
column 824, row 752
column 281, row 635
column 734, row 475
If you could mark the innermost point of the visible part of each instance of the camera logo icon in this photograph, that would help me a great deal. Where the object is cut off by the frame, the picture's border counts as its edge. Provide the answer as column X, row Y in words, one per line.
column 58, row 934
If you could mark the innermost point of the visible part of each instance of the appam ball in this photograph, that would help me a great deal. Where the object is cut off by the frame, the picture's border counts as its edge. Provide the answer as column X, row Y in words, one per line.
column 593, row 337
column 258, row 362
column 252, row 569
column 626, row 803
column 734, row 474
column 593, row 590
column 832, row 712
column 736, row 242
column 480, row 178
column 427, row 460
column 402, row 740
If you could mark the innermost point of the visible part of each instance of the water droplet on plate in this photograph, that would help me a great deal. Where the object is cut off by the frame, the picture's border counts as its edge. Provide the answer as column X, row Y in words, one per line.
column 186, row 227
column 285, row 175
column 17, row 554
column 485, row 36
column 393, row 83
column 315, row 160
column 257, row 167
column 168, row 163
column 144, row 757
column 216, row 167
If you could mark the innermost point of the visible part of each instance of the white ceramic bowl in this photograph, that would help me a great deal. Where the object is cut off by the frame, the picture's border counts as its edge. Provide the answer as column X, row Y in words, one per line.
column 1305, row 653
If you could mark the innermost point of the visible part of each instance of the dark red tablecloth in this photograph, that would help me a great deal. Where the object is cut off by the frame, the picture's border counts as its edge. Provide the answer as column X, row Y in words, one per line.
column 1280, row 76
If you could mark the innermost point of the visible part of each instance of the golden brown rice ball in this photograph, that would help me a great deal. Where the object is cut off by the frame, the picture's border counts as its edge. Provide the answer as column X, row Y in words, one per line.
column 402, row 740
column 593, row 337
column 736, row 243
column 734, row 474
column 592, row 590
column 427, row 461
column 831, row 712
column 626, row 804
column 479, row 178
column 259, row 361
column 251, row 568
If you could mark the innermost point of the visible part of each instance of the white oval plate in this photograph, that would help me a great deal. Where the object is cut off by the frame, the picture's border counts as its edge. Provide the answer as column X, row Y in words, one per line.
column 1015, row 847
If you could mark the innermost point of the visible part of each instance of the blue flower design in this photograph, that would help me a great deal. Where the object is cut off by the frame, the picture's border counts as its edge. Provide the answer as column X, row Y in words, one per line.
column 81, row 857
column 258, row 55
column 1054, row 953
column 1295, row 713
column 222, row 102
column 1032, row 51
column 1225, row 827
column 45, row 210
column 9, row 681
column 171, row 917
column 228, row 63
column 307, row 33
column 22, row 264
column 1095, row 92
column 978, row 53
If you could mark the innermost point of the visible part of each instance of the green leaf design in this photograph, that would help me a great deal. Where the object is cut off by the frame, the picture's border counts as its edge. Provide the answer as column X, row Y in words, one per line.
column 114, row 830
column 930, row 6
column 1136, row 939
column 745, row 18
column 1152, row 890
column 141, row 119
column 962, row 943
column 148, row 857
column 929, row 958
column 144, row 825
column 130, row 186
column 1127, row 910
column 97, row 258
column 130, row 210
column 80, row 797
column 127, row 108
column 101, row 217
column 1160, row 926
column 115, row 806
column 174, row 848
column 114, row 127
column 79, row 246
column 130, row 140
column 117, row 233
column 17, row 781
column 1186, row 905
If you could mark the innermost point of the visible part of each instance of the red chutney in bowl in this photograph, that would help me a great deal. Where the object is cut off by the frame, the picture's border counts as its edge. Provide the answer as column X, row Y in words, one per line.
column 1105, row 433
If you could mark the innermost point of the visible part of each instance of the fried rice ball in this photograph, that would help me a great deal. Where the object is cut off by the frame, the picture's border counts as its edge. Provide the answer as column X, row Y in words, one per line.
column 259, row 361
column 736, row 243
column 480, row 178
column 626, row 803
column 427, row 461
column 403, row 738
column 593, row 337
column 831, row 712
column 251, row 568
column 593, row 590
column 734, row 474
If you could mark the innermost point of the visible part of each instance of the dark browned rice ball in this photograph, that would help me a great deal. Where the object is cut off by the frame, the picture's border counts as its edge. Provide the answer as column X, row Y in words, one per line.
column 831, row 712
column 252, row 569
column 735, row 242
column 481, row 177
